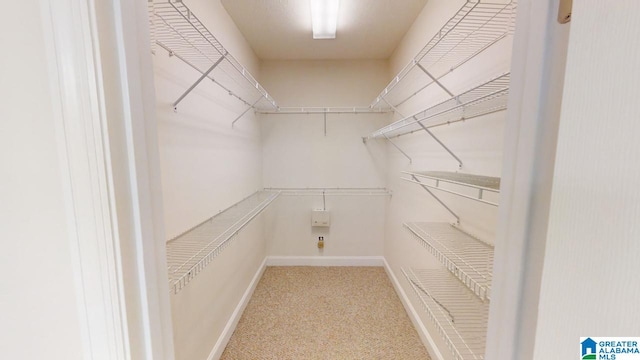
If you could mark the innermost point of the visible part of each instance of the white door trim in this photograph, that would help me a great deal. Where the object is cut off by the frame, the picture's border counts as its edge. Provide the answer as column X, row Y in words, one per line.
column 537, row 77
column 102, row 91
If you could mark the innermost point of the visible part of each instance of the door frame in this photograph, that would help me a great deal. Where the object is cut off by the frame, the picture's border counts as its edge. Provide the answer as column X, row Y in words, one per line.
column 533, row 115
column 101, row 84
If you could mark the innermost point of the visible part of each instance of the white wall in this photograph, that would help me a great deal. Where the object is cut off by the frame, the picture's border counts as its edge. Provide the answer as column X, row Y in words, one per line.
column 207, row 166
column 589, row 283
column 38, row 298
column 298, row 154
column 478, row 142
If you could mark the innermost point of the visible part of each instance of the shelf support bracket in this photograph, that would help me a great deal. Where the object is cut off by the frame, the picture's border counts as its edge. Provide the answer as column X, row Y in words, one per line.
column 398, row 148
column 395, row 109
column 246, row 110
column 433, row 78
column 441, row 144
column 204, row 75
column 437, row 198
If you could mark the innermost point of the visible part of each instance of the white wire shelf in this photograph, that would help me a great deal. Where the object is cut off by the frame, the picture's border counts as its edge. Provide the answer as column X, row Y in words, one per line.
column 324, row 110
column 459, row 316
column 176, row 29
column 469, row 259
column 476, row 26
column 486, row 98
column 192, row 251
column 331, row 191
column 435, row 179
column 488, row 183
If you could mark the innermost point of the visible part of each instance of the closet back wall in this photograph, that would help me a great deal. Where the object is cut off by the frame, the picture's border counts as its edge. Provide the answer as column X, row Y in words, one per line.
column 298, row 154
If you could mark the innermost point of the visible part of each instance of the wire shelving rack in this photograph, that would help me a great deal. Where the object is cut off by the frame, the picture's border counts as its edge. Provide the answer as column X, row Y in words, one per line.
column 486, row 98
column 324, row 110
column 177, row 30
column 189, row 253
column 466, row 257
column 459, row 316
column 475, row 27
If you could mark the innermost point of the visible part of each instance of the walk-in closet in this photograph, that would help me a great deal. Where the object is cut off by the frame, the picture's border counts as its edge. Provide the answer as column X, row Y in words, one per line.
column 381, row 157
column 321, row 179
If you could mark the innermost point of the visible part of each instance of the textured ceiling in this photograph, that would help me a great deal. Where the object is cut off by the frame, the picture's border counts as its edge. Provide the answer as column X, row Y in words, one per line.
column 281, row 29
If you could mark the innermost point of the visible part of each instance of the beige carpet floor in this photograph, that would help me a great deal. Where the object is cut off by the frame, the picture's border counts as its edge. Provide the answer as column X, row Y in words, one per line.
column 324, row 313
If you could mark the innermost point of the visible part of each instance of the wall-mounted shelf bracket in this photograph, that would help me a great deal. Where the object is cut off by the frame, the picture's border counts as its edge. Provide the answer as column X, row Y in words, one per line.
column 435, row 80
column 395, row 110
column 202, row 77
column 442, row 144
column 397, row 147
column 250, row 106
column 426, row 188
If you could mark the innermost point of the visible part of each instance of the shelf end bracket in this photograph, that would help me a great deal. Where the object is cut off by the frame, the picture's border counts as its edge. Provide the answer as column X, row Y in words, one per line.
column 398, row 148
column 202, row 77
column 441, row 144
column 437, row 198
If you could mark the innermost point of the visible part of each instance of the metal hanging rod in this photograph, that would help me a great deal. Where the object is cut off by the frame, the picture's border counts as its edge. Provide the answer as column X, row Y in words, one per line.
column 475, row 27
column 331, row 191
column 324, row 110
column 176, row 29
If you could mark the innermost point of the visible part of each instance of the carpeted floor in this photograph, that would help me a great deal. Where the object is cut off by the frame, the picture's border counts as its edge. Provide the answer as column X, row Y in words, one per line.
column 324, row 313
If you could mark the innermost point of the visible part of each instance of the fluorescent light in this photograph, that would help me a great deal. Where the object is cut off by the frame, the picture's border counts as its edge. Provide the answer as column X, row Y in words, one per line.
column 324, row 16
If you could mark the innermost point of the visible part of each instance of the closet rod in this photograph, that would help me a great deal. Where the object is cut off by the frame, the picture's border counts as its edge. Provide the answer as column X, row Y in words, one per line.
column 323, row 110
column 424, row 186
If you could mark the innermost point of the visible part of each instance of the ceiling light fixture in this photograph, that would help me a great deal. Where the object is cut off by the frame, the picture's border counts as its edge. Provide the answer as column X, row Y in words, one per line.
column 324, row 16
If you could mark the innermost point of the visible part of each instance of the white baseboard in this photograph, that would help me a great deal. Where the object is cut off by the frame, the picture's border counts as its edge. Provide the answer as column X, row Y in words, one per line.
column 426, row 338
column 221, row 344
column 325, row 261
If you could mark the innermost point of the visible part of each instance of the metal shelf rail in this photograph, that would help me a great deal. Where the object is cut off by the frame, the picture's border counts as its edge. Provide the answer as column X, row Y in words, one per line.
column 459, row 316
column 331, row 191
column 192, row 251
column 486, row 98
column 466, row 257
column 480, row 183
column 177, row 30
column 475, row 27
column 324, row 110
